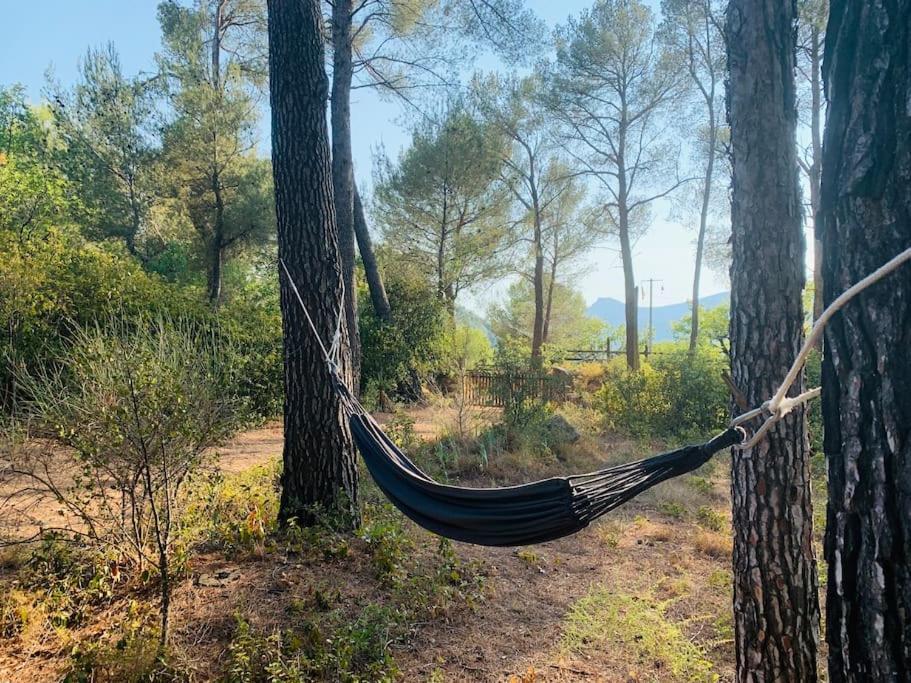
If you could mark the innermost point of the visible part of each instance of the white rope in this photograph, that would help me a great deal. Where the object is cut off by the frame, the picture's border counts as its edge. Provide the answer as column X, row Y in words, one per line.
column 319, row 341
column 780, row 404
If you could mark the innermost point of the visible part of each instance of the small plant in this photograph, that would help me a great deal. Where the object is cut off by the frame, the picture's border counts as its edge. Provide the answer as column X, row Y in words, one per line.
column 673, row 509
column 401, row 430
column 387, row 541
column 530, row 557
column 710, row 518
column 700, row 485
column 237, row 512
column 356, row 650
column 640, row 625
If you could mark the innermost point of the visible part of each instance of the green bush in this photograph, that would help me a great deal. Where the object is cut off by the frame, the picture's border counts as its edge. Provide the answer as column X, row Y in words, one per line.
column 674, row 395
column 412, row 343
column 50, row 288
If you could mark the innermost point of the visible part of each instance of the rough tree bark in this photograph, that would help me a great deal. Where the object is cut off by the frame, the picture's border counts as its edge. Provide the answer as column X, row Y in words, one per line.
column 319, row 459
column 864, row 220
column 343, row 169
column 776, row 610
column 375, row 286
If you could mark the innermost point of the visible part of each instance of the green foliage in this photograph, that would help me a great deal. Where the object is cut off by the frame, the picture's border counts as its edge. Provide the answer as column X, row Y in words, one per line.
column 390, row 546
column 65, row 580
column 138, row 405
column 128, row 654
column 237, row 512
column 214, row 177
column 440, row 207
column 569, row 327
column 34, row 195
column 710, row 518
column 54, row 286
column 106, row 124
column 525, row 413
column 640, row 625
column 674, row 395
column 713, row 327
column 357, row 651
column 412, row 343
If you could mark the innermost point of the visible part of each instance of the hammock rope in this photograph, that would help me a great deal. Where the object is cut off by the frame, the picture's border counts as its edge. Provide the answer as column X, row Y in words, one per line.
column 551, row 508
column 781, row 404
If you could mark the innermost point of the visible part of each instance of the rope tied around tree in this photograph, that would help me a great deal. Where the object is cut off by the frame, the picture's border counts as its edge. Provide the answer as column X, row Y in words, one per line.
column 778, row 407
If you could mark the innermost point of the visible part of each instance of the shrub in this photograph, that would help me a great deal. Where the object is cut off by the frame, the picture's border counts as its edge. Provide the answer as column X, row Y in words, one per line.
column 395, row 353
column 137, row 408
column 676, row 394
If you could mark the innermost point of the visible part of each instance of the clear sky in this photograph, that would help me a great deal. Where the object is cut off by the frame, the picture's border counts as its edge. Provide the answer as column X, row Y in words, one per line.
column 55, row 33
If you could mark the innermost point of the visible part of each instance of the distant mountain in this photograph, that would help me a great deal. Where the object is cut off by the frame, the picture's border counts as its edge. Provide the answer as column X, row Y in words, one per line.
column 613, row 312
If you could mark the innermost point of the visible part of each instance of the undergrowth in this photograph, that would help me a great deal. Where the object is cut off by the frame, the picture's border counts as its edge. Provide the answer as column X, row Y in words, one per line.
column 639, row 625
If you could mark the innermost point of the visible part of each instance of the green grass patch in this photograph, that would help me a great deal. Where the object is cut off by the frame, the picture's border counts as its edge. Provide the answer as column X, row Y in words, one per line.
column 639, row 625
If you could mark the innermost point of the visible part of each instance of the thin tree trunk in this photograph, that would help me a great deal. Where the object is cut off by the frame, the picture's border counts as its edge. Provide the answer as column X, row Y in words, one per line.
column 218, row 222
column 537, row 336
column 776, row 610
column 216, row 248
column 703, row 222
column 216, row 259
column 378, row 296
column 548, row 308
column 318, row 456
column 631, row 294
column 343, row 169
column 864, row 220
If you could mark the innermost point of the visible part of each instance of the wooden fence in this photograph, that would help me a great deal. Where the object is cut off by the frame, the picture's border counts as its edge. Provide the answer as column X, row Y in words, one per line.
column 492, row 388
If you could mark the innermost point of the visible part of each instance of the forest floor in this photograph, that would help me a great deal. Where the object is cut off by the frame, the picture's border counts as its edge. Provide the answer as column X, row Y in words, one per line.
column 641, row 595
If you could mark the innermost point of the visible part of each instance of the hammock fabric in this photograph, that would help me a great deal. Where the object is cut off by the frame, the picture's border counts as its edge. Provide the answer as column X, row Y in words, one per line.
column 513, row 515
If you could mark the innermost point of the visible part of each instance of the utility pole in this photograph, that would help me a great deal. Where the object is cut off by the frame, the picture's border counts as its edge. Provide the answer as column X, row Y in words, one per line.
column 651, row 329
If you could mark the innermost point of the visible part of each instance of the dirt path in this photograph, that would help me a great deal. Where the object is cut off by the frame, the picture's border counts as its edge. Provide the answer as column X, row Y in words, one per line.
column 257, row 446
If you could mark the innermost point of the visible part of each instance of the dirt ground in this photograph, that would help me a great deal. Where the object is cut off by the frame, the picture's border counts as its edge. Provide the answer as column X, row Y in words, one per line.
column 647, row 559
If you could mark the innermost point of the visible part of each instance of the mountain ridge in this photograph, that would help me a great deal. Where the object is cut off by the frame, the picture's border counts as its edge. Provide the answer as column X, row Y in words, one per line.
column 613, row 312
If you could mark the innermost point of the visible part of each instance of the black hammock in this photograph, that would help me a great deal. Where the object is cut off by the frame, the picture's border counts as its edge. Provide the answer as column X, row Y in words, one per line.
column 512, row 515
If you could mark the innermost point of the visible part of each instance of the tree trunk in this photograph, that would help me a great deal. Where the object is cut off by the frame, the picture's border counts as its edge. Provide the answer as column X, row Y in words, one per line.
column 537, row 335
column 776, row 610
column 864, row 220
column 631, row 292
column 703, row 221
column 378, row 296
column 216, row 261
column 319, row 461
column 816, row 169
column 343, row 170
column 549, row 301
column 631, row 295
column 217, row 246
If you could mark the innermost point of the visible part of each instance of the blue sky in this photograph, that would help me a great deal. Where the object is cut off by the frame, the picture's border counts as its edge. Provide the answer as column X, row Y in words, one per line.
column 56, row 33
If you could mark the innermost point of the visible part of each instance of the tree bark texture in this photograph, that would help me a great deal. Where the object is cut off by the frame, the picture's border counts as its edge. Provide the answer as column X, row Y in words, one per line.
column 776, row 610
column 864, row 220
column 343, row 169
column 319, row 459
column 375, row 286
